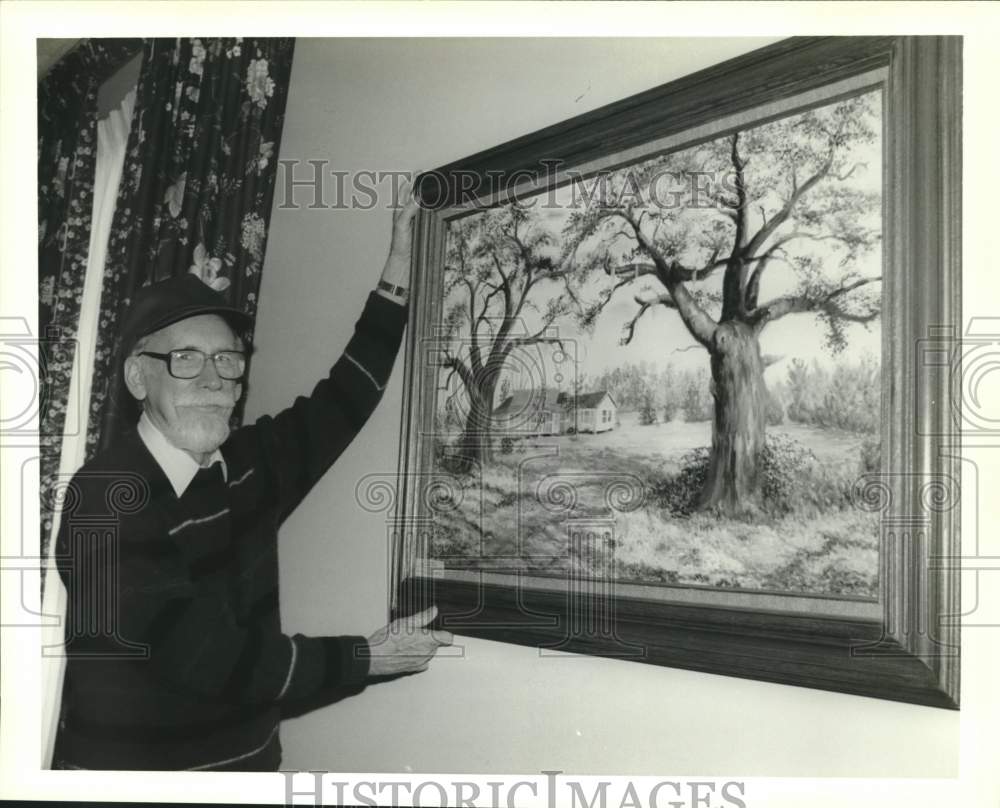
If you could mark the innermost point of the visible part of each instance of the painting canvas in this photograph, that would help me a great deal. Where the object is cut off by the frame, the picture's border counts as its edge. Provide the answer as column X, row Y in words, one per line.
column 676, row 358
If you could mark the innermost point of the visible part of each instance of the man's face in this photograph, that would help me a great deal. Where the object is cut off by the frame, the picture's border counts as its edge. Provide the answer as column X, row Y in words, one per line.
column 193, row 414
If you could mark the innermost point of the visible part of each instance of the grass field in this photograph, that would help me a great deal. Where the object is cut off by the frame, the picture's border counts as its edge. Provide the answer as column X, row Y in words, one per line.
column 518, row 512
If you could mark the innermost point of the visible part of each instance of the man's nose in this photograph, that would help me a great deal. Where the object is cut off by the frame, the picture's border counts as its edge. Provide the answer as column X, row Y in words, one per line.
column 209, row 376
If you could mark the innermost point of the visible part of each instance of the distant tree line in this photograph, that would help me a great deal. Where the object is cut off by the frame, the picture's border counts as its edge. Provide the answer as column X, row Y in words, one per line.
column 845, row 396
column 658, row 394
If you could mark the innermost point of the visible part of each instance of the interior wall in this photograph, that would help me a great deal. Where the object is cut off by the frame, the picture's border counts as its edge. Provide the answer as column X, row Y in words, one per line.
column 50, row 51
column 416, row 104
column 125, row 79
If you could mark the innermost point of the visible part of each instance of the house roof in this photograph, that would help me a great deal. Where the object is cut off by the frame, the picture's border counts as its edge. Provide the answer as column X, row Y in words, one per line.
column 587, row 401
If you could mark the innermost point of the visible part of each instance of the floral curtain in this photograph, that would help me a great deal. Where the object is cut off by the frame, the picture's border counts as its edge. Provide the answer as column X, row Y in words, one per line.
column 196, row 189
column 67, row 157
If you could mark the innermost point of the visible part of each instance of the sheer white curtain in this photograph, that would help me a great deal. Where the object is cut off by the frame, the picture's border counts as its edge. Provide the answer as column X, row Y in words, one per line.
column 112, row 138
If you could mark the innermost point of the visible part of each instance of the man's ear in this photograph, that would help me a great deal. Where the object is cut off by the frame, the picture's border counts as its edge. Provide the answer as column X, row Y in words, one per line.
column 134, row 380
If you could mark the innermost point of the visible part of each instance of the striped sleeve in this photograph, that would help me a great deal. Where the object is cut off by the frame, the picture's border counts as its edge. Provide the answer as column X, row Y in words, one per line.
column 197, row 649
column 298, row 445
column 193, row 644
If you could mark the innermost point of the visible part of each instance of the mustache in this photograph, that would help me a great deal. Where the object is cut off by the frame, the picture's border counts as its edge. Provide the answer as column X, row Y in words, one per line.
column 225, row 403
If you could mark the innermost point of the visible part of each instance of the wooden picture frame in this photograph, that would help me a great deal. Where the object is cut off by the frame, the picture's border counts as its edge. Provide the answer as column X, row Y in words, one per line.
column 905, row 647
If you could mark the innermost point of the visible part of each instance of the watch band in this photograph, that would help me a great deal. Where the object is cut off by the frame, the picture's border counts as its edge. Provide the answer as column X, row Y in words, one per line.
column 395, row 291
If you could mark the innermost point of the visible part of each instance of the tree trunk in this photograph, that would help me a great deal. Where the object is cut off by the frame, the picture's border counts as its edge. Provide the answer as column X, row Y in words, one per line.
column 732, row 485
column 475, row 446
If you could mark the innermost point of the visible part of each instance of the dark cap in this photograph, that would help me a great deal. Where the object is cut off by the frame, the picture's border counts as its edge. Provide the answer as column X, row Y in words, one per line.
column 160, row 304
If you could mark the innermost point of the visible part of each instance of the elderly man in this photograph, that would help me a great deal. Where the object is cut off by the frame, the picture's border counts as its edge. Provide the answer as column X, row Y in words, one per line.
column 195, row 671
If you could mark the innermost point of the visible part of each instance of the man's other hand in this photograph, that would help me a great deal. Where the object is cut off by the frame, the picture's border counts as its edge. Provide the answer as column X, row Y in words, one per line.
column 406, row 645
column 397, row 267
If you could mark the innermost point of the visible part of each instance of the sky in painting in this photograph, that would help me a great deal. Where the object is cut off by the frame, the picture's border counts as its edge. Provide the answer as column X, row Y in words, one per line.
column 660, row 337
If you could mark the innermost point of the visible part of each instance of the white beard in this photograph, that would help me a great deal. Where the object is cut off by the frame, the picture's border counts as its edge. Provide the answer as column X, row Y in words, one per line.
column 198, row 431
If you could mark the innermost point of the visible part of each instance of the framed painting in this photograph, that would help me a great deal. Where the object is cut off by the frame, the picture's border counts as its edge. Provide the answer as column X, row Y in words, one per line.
column 678, row 376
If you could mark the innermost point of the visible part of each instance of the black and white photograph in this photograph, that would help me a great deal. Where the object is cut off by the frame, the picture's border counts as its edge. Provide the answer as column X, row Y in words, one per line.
column 499, row 404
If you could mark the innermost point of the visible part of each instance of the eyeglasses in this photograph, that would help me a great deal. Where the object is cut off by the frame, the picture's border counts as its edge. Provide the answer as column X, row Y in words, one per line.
column 187, row 363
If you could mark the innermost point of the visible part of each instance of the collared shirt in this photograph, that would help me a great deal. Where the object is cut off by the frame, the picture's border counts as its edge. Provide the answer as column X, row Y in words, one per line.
column 177, row 464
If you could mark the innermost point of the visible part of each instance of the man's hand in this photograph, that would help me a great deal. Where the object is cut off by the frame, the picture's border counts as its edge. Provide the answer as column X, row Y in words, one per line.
column 406, row 645
column 397, row 266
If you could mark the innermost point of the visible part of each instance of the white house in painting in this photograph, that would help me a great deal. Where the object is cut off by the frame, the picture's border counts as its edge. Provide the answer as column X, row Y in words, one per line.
column 595, row 412
column 529, row 413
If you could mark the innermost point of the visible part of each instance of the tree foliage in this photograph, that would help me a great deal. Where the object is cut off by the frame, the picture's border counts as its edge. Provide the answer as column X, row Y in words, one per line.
column 503, row 290
column 700, row 230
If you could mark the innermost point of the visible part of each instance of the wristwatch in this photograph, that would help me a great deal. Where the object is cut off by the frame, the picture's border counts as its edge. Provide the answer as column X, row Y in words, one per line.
column 395, row 291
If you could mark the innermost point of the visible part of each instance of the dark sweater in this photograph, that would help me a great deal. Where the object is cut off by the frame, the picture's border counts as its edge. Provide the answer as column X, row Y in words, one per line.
column 176, row 658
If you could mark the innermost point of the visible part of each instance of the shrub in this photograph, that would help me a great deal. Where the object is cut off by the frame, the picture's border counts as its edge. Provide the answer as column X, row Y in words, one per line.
column 693, row 395
column 695, row 405
column 669, row 411
column 775, row 412
column 784, row 463
column 870, row 461
column 791, row 480
column 848, row 396
column 647, row 414
column 679, row 492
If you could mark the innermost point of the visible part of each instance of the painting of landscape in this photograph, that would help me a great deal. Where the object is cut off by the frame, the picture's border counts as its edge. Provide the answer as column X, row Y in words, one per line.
column 683, row 354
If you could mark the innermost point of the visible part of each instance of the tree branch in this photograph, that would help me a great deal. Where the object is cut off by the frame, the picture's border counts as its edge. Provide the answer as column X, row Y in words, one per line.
column 505, row 282
column 525, row 253
column 753, row 285
column 474, row 354
column 735, row 278
column 680, row 272
column 671, row 274
column 464, row 373
column 628, row 330
column 791, row 304
column 779, row 218
column 635, row 269
column 846, row 174
column 781, row 242
column 534, row 339
column 741, row 195
column 694, row 317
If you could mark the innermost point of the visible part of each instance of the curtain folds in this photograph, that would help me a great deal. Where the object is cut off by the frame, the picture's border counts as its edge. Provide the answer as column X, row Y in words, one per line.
column 112, row 134
column 67, row 160
column 180, row 179
column 196, row 190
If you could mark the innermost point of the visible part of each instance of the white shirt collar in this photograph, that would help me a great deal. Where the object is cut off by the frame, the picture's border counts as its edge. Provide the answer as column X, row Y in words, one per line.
column 177, row 464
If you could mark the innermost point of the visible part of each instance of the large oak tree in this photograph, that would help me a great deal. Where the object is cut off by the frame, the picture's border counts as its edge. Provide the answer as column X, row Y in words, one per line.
column 699, row 232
